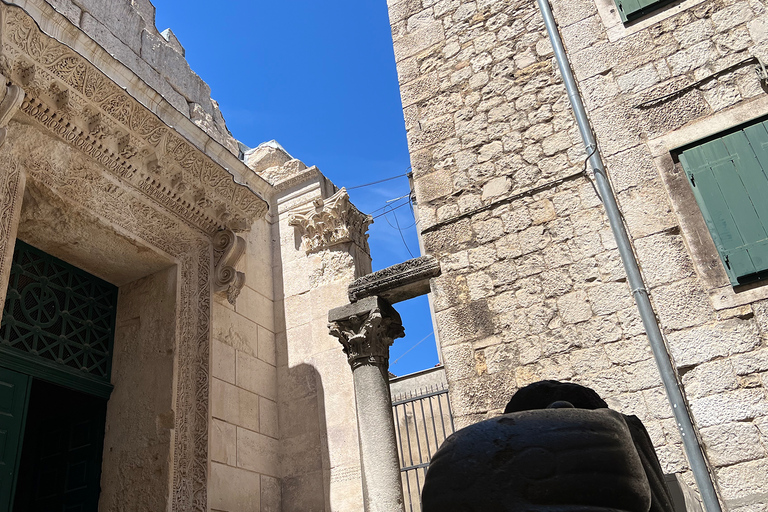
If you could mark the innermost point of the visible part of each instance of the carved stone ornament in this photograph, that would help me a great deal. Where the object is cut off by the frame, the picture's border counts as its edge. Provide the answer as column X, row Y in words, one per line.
column 228, row 248
column 72, row 99
column 366, row 330
column 397, row 283
column 10, row 101
column 332, row 221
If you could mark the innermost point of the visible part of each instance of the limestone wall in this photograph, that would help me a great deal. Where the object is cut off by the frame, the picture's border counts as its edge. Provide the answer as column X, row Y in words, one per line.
column 126, row 29
column 244, row 430
column 532, row 286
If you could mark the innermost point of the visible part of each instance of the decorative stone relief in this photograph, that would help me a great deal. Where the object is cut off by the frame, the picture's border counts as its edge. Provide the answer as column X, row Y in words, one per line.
column 10, row 102
column 69, row 97
column 83, row 182
column 397, row 283
column 228, row 249
column 332, row 221
column 366, row 330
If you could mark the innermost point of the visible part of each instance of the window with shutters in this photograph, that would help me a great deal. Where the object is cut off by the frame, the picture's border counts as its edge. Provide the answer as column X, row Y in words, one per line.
column 632, row 9
column 729, row 179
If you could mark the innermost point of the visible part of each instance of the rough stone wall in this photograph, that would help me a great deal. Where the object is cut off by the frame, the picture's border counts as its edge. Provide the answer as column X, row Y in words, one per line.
column 126, row 29
column 532, row 285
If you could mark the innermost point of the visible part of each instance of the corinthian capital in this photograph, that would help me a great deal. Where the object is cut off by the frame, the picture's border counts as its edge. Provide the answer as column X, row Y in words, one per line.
column 331, row 221
column 366, row 330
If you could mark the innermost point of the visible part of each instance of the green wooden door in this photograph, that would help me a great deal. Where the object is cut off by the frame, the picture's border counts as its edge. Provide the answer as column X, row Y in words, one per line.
column 14, row 389
column 728, row 178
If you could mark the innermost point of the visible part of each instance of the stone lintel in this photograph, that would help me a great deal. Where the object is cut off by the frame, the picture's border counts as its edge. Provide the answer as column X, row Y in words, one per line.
column 397, row 283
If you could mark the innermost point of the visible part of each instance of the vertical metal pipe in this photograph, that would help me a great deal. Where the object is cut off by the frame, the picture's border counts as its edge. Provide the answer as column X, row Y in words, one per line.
column 668, row 376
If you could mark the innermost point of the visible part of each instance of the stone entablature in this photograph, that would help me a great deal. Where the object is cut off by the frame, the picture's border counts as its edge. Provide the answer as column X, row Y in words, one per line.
column 72, row 99
column 397, row 283
column 331, row 221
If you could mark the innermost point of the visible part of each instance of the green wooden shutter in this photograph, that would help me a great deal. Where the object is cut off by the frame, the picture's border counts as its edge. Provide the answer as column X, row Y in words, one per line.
column 729, row 181
column 14, row 389
column 633, row 9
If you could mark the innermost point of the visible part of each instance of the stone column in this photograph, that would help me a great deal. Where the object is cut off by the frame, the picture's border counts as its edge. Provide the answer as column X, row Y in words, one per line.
column 367, row 329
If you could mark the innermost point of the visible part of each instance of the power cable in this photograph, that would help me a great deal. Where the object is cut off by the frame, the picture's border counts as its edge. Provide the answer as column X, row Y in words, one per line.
column 399, row 230
column 379, row 181
column 413, row 347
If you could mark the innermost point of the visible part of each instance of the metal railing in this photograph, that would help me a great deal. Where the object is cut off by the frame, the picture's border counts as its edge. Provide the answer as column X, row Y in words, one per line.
column 423, row 420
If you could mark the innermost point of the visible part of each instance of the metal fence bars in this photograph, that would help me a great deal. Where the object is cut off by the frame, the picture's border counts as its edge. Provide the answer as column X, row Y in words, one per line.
column 423, row 420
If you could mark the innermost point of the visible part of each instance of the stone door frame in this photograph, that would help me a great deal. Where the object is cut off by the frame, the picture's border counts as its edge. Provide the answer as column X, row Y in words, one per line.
column 84, row 139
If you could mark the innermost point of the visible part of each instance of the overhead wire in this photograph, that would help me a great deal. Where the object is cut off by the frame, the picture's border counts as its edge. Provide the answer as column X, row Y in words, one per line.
column 413, row 347
column 379, row 181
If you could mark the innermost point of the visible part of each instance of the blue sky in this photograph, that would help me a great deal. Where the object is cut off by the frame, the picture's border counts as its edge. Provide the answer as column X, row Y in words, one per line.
column 320, row 78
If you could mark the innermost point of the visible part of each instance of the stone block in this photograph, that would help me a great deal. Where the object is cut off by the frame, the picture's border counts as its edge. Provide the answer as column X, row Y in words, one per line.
column 745, row 482
column 257, row 452
column 700, row 344
column 119, row 17
column 68, row 9
column 738, row 405
column 174, row 67
column 256, row 376
column 270, row 494
column 223, row 442
column 234, row 330
column 304, row 492
column 465, row 323
column 234, row 405
column 267, row 346
column 710, row 378
column 682, row 305
column 574, row 307
column 233, row 489
column 732, row 443
column 422, row 88
column 268, row 418
column 427, row 35
column 664, row 258
column 729, row 17
column 222, row 361
column 607, row 298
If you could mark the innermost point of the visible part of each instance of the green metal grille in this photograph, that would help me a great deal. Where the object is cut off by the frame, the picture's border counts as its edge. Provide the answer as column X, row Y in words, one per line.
column 58, row 314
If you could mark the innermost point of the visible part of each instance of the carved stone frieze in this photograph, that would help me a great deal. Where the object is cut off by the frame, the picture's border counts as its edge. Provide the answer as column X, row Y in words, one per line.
column 397, row 283
column 83, row 183
column 228, row 249
column 366, row 330
column 332, row 221
column 72, row 99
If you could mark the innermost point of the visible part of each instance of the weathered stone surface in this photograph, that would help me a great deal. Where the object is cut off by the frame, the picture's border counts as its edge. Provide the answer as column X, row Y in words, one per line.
column 397, row 283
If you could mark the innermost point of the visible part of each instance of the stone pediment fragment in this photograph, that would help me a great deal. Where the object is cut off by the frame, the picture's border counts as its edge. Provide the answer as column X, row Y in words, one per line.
column 397, row 283
column 73, row 100
column 332, row 221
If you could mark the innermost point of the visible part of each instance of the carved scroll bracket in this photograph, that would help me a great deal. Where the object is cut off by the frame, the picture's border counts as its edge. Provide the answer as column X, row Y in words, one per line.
column 366, row 330
column 11, row 98
column 229, row 248
column 331, row 221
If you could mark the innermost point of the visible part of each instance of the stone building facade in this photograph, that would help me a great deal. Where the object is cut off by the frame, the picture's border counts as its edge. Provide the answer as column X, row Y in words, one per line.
column 218, row 386
column 532, row 286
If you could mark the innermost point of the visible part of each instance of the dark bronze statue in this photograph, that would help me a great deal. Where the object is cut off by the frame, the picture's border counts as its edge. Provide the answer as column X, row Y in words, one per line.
column 557, row 448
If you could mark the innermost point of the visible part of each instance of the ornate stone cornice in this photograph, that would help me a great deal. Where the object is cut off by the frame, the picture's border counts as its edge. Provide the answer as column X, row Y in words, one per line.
column 397, row 283
column 69, row 97
column 366, row 330
column 228, row 249
column 332, row 221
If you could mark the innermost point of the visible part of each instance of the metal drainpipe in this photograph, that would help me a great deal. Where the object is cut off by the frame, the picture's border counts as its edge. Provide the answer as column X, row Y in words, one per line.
column 690, row 442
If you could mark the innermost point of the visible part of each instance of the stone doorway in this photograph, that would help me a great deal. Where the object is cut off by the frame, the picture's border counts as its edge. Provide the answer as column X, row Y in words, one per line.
column 56, row 340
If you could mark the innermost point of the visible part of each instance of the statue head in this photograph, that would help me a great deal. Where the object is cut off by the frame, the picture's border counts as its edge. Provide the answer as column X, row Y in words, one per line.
column 555, row 457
